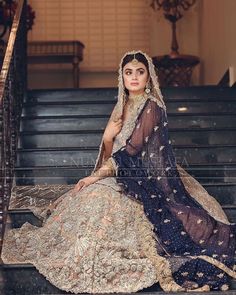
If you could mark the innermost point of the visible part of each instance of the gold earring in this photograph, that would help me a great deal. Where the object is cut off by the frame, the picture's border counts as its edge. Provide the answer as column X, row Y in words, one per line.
column 147, row 89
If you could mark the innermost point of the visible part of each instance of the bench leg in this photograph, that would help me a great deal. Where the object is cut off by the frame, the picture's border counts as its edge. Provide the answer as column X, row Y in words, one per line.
column 76, row 72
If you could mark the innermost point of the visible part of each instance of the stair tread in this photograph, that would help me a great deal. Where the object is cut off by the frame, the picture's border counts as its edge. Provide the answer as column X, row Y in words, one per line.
column 180, row 129
column 68, row 186
column 191, row 166
column 25, row 210
column 24, row 196
column 75, row 148
column 112, row 100
column 27, row 271
column 29, row 117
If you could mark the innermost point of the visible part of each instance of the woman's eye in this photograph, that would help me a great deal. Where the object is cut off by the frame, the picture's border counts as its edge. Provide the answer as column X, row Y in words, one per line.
column 140, row 72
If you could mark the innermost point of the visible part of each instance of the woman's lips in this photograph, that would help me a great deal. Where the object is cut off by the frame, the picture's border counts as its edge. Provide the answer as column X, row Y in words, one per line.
column 134, row 83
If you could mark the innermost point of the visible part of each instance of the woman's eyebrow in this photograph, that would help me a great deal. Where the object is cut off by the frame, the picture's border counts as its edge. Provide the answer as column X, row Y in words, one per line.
column 135, row 69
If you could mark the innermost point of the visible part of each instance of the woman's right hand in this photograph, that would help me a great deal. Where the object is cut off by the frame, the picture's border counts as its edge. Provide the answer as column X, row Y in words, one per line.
column 113, row 128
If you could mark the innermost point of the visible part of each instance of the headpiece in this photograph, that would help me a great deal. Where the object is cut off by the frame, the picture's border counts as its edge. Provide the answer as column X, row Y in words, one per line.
column 134, row 61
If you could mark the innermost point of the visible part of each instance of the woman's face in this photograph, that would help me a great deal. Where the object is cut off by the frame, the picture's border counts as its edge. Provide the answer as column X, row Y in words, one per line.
column 135, row 77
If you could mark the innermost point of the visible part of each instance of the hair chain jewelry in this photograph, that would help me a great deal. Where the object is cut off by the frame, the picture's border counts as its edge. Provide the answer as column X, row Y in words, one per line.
column 134, row 61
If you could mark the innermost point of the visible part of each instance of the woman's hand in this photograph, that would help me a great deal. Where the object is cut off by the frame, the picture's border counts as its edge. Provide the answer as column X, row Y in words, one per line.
column 84, row 182
column 113, row 128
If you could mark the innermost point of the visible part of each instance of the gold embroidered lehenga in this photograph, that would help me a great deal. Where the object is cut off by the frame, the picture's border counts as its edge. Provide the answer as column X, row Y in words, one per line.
column 105, row 240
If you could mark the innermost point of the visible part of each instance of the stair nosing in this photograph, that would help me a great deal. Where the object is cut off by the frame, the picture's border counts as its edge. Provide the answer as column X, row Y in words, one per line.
column 31, row 117
column 41, row 149
column 79, row 167
column 28, row 211
column 68, row 102
column 195, row 166
column 17, row 265
column 89, row 131
column 112, row 100
column 28, row 117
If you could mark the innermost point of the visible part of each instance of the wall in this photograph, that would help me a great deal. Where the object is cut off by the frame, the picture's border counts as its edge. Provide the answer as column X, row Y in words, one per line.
column 187, row 35
column 217, row 39
column 108, row 28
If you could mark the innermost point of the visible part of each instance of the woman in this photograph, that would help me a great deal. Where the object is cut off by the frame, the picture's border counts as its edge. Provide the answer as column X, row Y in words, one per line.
column 139, row 218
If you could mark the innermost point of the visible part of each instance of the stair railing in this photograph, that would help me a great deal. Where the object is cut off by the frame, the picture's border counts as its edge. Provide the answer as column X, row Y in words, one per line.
column 228, row 79
column 13, row 85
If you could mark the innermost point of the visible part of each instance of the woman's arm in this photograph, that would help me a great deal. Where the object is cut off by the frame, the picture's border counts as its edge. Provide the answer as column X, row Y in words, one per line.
column 112, row 129
column 107, row 169
column 108, row 145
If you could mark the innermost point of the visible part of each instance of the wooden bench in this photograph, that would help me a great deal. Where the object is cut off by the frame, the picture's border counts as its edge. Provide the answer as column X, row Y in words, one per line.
column 48, row 52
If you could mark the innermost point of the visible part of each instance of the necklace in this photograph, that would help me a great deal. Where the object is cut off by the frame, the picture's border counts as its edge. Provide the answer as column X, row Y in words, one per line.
column 135, row 99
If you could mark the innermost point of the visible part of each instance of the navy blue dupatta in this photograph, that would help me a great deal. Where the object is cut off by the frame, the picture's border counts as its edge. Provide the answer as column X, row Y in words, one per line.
column 147, row 171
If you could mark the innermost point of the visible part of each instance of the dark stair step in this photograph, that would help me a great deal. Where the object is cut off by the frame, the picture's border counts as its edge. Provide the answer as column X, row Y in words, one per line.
column 24, row 279
column 23, row 196
column 214, row 154
column 84, row 94
column 68, row 109
column 224, row 192
column 105, row 107
column 66, row 123
column 20, row 216
column 110, row 100
column 37, row 139
column 70, row 156
column 71, row 174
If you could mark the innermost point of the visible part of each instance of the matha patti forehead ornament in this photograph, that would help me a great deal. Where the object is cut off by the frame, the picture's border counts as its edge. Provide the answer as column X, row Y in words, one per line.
column 134, row 61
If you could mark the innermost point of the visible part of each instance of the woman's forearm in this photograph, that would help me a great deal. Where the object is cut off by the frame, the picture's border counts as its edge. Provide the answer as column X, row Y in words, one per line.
column 108, row 169
column 108, row 145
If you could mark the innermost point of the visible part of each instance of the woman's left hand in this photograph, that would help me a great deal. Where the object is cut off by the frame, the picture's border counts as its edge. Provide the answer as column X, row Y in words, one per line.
column 84, row 182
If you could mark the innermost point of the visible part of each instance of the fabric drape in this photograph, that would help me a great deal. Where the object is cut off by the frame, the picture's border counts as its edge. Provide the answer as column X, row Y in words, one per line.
column 147, row 171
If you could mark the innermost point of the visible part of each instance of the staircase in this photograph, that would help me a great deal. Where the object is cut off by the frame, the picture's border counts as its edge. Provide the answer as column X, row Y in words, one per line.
column 59, row 138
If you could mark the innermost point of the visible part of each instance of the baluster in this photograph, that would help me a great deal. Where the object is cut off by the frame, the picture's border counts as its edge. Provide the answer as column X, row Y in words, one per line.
column 12, row 91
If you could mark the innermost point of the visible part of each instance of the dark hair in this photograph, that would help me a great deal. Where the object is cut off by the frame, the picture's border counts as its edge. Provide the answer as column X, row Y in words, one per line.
column 140, row 57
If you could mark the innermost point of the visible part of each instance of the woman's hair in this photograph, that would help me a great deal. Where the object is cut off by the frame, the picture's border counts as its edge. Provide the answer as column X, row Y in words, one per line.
column 128, row 58
column 139, row 56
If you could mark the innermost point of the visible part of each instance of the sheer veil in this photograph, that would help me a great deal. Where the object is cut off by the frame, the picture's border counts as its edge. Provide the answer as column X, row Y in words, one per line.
column 193, row 187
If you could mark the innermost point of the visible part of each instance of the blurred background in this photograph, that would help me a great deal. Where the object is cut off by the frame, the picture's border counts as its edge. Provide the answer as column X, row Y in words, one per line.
column 109, row 28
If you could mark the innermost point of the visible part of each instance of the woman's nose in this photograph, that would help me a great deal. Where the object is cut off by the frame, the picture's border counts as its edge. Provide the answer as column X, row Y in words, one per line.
column 134, row 76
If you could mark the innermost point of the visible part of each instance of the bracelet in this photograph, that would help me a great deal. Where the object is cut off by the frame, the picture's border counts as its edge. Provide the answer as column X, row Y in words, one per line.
column 110, row 164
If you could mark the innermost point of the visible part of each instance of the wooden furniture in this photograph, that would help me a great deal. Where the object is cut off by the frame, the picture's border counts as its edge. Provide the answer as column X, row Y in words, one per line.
column 47, row 52
column 175, row 71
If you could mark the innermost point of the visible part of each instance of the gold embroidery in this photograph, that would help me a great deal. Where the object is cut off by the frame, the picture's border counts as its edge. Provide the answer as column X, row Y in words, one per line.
column 225, row 287
column 196, row 190
column 218, row 264
column 200, row 274
column 184, row 274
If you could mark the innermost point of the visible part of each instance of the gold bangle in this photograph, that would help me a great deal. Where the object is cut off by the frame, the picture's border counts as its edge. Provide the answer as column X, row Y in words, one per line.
column 110, row 164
